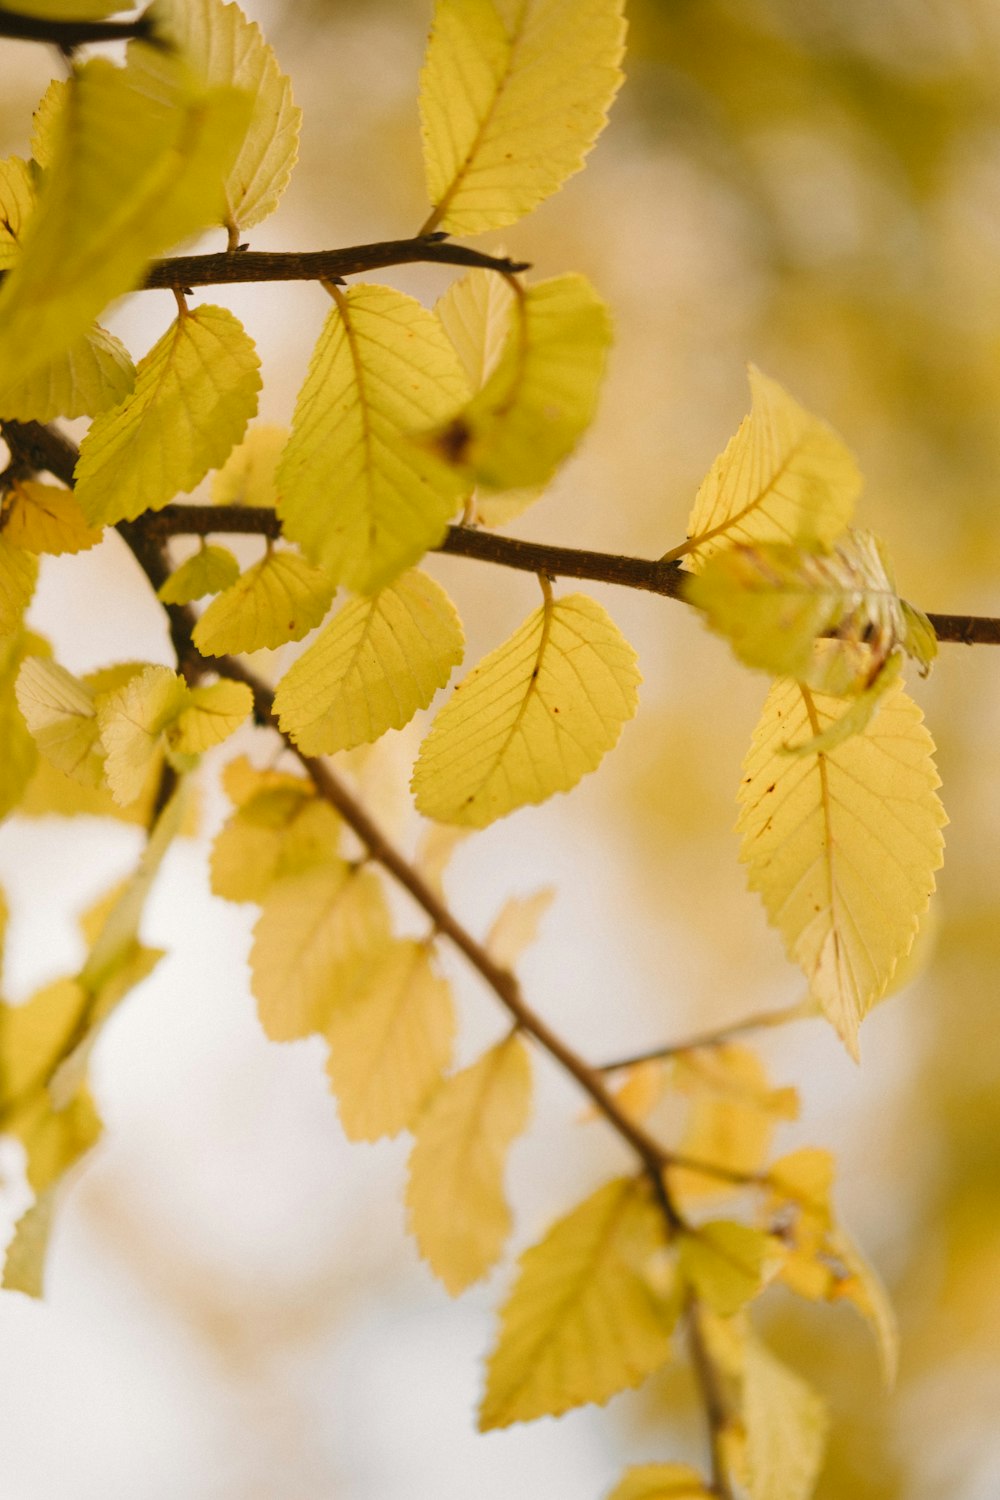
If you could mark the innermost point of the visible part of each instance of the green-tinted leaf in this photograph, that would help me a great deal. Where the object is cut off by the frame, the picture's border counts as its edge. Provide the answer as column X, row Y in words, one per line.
column 512, row 97
column 195, row 391
column 225, row 48
column 18, row 755
column 533, row 718
column 209, row 570
column 316, row 935
column 24, row 1262
column 458, row 1211
column 94, row 373
column 541, row 397
column 583, row 1320
column 476, row 313
column 372, row 667
column 390, row 1041
column 784, row 477
column 279, row 599
column 842, row 844
column 355, row 492
column 17, row 201
column 131, row 173
column 212, row 714
column 18, row 576
column 724, row 1263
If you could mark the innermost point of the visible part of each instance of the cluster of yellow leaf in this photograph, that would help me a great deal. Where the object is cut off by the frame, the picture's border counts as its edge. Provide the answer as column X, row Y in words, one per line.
column 774, row 1425
column 840, row 817
column 45, row 1045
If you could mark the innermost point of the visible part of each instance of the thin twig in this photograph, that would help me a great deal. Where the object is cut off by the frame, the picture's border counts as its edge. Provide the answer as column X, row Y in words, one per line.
column 710, row 1384
column 761, row 1020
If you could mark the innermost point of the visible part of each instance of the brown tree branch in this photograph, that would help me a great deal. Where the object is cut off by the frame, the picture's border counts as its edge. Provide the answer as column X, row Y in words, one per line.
column 68, row 35
column 228, row 267
column 649, row 574
column 711, row 1386
column 48, row 449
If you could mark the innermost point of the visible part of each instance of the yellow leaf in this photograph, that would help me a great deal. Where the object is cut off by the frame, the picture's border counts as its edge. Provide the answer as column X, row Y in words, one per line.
column 784, row 477
column 661, row 1482
column 94, row 373
column 276, row 832
column 724, row 1263
column 54, row 1139
column 786, row 1424
column 733, row 1116
column 247, row 476
column 862, row 1286
column 209, row 570
column 18, row 755
column 434, row 852
column 132, row 721
column 542, row 395
column 241, row 780
column 583, row 1320
column 355, row 492
column 212, row 715
column 18, row 576
column 17, row 201
column 475, row 312
column 842, row 845
column 516, row 927
column 390, row 1041
column 532, row 718
column 376, row 663
column 281, row 598
column 44, row 121
column 225, row 48
column 61, row 715
column 195, row 391
column 71, row 10
column 457, row 1208
column 45, row 518
column 115, row 947
column 315, row 936
column 131, row 172
column 24, row 1262
column 513, row 95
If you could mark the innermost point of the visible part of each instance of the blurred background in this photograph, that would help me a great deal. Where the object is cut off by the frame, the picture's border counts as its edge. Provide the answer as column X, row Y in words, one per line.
column 234, row 1311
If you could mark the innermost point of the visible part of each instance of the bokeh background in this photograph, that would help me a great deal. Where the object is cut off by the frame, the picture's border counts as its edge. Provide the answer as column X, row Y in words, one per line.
column 234, row 1311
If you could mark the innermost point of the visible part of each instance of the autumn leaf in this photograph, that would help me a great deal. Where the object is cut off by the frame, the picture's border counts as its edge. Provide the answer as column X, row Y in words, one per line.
column 532, row 718
column 785, row 477
column 583, row 1320
column 512, row 97
column 458, row 1210
column 376, row 663
column 842, row 844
